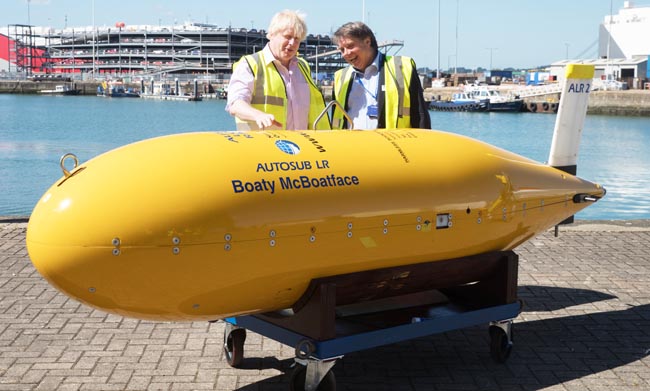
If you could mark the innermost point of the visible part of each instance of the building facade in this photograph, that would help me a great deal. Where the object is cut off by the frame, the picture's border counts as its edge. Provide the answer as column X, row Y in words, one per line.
column 625, row 35
column 191, row 49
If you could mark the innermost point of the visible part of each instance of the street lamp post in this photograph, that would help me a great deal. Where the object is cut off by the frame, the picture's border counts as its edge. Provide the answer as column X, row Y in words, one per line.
column 491, row 50
column 94, row 37
column 449, row 61
column 438, row 54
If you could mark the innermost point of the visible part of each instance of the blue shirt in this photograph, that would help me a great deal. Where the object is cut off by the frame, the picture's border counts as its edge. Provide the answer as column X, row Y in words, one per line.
column 364, row 93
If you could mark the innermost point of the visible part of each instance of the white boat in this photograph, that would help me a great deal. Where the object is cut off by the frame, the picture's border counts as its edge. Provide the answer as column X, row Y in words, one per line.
column 116, row 89
column 186, row 98
column 61, row 89
column 169, row 91
column 497, row 102
column 460, row 101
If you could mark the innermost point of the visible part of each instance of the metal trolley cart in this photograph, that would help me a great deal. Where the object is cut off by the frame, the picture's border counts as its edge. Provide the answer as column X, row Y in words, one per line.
column 346, row 313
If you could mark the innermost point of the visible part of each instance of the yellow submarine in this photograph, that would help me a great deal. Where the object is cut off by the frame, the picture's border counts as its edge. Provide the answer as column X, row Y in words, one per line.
column 207, row 225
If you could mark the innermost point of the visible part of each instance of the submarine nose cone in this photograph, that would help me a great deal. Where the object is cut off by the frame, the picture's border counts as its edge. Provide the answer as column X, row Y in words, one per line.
column 49, row 236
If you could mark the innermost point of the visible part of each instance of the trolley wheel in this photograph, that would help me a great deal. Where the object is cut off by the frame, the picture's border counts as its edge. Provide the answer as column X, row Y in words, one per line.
column 233, row 347
column 297, row 382
column 500, row 344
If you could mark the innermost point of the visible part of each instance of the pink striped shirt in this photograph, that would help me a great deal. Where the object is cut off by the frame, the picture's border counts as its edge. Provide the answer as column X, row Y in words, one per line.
column 297, row 104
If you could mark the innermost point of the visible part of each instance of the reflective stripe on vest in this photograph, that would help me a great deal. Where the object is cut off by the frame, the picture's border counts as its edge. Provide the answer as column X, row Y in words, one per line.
column 398, row 99
column 259, row 97
column 342, row 79
column 269, row 93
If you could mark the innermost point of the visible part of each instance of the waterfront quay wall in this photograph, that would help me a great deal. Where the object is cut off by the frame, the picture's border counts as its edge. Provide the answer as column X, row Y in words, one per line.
column 86, row 87
column 628, row 102
column 33, row 87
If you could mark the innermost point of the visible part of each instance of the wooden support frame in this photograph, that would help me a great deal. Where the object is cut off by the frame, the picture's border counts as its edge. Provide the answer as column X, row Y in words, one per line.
column 475, row 282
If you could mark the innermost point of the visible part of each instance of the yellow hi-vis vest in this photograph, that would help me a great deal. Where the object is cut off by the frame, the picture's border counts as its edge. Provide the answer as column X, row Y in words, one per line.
column 269, row 93
column 397, row 105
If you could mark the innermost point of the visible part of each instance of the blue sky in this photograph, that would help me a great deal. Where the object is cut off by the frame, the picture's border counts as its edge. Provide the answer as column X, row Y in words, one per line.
column 517, row 33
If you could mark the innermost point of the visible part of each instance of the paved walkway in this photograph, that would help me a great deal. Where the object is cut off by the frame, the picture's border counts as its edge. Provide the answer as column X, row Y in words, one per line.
column 585, row 326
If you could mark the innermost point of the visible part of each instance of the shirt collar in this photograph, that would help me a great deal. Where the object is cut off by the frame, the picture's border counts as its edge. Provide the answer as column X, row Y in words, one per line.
column 269, row 57
column 373, row 68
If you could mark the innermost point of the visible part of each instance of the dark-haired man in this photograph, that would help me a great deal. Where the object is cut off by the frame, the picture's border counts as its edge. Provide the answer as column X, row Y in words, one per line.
column 377, row 91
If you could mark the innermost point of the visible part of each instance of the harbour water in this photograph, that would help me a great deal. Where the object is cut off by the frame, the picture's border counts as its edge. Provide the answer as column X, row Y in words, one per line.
column 35, row 131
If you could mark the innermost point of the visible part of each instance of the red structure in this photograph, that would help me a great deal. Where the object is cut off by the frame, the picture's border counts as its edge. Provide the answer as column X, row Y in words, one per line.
column 20, row 52
column 6, row 46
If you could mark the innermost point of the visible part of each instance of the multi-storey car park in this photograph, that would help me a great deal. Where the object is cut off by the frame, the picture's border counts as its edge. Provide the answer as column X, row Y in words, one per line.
column 191, row 49
column 145, row 50
column 195, row 48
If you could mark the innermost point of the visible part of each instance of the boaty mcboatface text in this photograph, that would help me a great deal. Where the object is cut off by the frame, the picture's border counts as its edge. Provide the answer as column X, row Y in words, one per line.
column 293, row 182
column 297, row 183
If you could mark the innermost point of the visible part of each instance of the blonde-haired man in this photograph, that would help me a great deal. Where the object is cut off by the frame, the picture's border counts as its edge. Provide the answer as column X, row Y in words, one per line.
column 273, row 88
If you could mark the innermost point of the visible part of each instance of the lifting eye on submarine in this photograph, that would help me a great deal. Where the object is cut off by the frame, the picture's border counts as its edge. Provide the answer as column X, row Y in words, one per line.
column 75, row 163
column 73, row 171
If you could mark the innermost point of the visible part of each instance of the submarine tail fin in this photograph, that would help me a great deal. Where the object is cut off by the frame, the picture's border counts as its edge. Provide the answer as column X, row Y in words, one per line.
column 571, row 117
column 570, row 120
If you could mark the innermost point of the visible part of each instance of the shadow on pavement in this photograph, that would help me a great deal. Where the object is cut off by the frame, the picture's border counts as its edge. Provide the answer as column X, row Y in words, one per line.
column 547, row 352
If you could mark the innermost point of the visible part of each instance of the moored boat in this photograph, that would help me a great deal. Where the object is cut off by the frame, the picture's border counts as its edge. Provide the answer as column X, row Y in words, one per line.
column 116, row 89
column 61, row 89
column 496, row 101
column 460, row 101
column 186, row 98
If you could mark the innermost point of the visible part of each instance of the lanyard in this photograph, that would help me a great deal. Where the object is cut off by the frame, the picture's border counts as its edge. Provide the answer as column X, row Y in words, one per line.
column 374, row 96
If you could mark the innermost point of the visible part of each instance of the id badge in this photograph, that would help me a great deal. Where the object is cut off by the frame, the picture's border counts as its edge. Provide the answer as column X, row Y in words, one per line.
column 373, row 111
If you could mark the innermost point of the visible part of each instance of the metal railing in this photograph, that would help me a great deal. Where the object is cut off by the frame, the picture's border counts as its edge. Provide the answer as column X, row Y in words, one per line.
column 547, row 89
